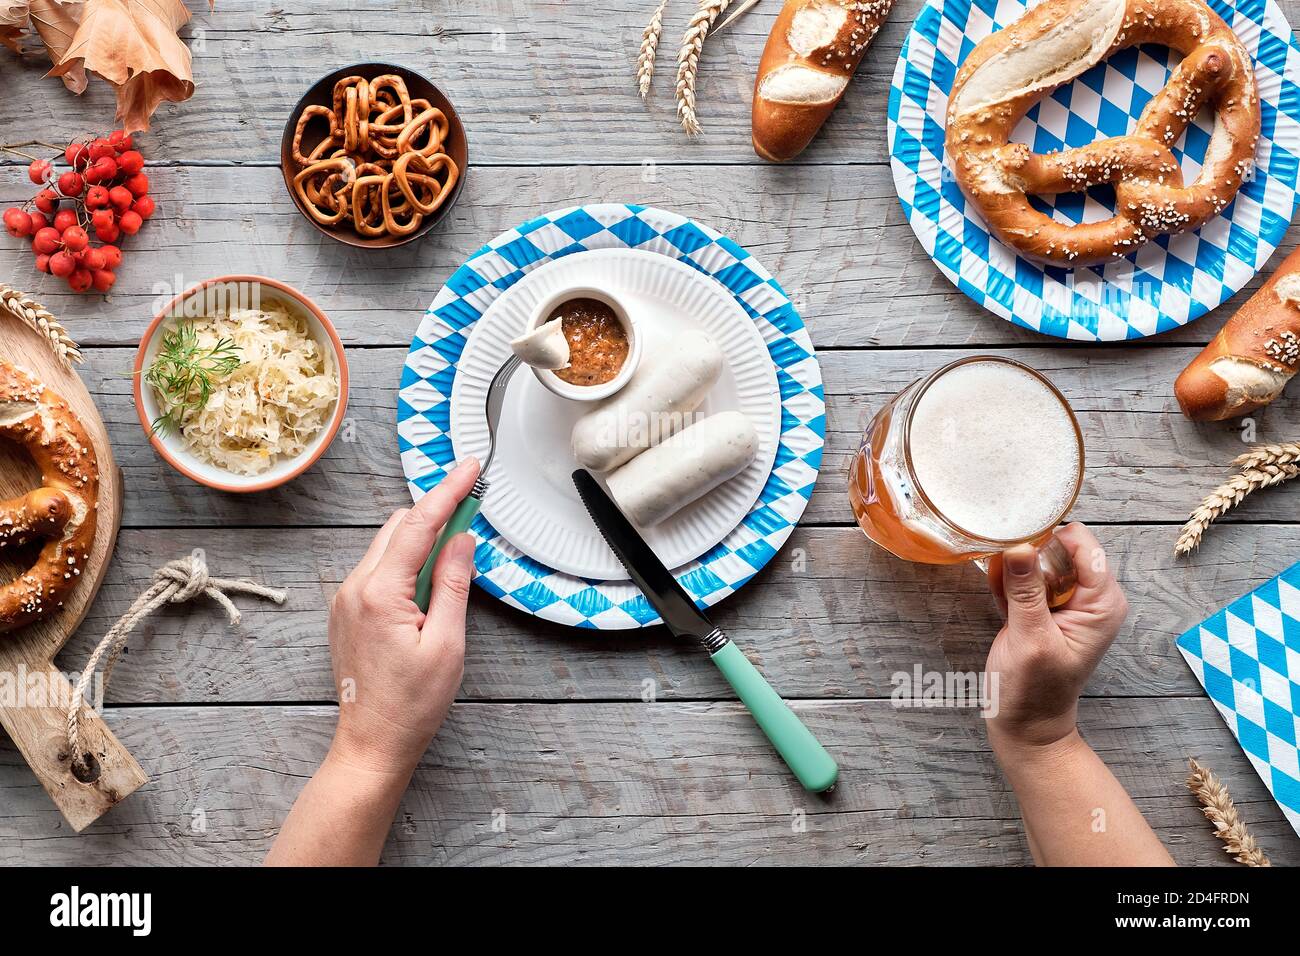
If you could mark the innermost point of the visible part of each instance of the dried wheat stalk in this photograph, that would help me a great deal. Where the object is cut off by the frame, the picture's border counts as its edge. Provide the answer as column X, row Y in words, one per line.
column 1262, row 467
column 688, row 60
column 1282, row 453
column 37, row 317
column 645, row 63
column 739, row 12
column 1216, row 804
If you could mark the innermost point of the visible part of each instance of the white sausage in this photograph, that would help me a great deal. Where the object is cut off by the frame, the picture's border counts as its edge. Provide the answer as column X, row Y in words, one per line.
column 670, row 384
column 687, row 466
column 544, row 347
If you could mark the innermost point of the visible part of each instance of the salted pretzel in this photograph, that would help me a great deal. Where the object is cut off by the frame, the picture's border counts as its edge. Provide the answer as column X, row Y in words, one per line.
column 61, row 513
column 379, row 164
column 1011, row 70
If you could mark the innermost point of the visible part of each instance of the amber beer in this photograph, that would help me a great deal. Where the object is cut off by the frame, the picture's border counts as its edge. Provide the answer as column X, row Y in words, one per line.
column 977, row 457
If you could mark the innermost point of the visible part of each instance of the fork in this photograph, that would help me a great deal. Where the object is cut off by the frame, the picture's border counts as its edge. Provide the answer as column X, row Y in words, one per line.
column 469, row 506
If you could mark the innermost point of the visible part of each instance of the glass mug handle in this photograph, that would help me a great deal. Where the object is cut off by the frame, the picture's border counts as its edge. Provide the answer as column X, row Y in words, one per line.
column 1058, row 571
column 1057, row 566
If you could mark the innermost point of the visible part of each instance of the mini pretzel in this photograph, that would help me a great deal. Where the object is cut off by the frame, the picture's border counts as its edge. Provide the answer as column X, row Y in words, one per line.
column 436, row 121
column 341, row 88
column 62, row 512
column 350, row 139
column 308, row 114
column 401, row 98
column 392, row 223
column 431, row 166
column 1004, row 76
column 309, row 191
column 369, row 222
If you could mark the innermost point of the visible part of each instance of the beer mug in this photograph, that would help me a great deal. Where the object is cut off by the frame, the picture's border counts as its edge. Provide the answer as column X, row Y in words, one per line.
column 977, row 457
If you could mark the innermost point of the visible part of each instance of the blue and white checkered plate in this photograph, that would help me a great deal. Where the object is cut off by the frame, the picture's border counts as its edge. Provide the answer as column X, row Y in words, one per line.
column 1167, row 283
column 443, row 359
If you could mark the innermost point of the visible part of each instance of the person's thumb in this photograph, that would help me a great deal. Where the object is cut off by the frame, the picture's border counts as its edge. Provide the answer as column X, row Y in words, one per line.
column 1025, row 590
column 452, row 575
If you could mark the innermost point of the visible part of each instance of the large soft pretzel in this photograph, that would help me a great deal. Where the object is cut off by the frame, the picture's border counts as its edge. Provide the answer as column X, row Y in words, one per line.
column 61, row 512
column 1011, row 70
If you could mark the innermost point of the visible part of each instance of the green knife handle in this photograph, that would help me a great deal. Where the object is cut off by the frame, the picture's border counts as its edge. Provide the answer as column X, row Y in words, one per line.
column 802, row 752
column 459, row 521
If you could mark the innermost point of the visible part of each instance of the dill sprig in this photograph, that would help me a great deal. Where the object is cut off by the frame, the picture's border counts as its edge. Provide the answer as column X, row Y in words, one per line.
column 184, row 371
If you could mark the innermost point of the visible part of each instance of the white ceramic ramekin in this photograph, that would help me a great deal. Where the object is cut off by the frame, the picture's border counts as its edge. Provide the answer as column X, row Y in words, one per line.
column 588, row 393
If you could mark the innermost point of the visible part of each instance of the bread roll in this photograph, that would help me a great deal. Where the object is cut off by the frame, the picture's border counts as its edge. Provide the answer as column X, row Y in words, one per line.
column 659, row 483
column 1253, row 356
column 670, row 384
column 812, row 51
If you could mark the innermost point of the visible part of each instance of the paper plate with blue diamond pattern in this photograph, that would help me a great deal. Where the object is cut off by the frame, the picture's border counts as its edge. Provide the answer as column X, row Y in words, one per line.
column 1167, row 283
column 424, row 406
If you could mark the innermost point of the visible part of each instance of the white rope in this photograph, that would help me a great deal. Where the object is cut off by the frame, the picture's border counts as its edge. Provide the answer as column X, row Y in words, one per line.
column 178, row 582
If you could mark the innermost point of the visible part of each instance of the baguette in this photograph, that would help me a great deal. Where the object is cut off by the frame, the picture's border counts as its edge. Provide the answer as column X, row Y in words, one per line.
column 1254, row 355
column 812, row 51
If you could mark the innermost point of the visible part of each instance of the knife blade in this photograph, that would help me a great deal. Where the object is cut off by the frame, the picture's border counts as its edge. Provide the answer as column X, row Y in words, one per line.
column 815, row 769
column 661, row 589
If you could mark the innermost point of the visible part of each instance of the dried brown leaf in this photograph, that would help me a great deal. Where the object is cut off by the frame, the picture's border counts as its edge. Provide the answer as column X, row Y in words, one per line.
column 56, row 23
column 133, row 45
column 13, row 17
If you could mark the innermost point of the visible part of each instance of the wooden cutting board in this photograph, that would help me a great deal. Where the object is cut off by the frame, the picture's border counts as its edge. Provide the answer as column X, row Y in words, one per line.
column 39, row 729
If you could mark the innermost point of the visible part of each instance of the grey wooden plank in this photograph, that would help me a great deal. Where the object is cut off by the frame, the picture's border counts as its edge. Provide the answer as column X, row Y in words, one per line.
column 834, row 236
column 832, row 617
column 1145, row 462
column 635, row 783
column 536, row 81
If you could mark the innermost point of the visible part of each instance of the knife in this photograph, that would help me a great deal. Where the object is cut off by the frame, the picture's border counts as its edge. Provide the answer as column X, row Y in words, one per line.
column 802, row 752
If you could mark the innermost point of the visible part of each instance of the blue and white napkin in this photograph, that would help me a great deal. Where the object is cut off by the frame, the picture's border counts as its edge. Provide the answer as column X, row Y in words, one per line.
column 1247, row 657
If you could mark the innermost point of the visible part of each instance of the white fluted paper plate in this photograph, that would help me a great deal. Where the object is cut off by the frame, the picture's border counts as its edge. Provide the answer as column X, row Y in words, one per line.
column 531, row 500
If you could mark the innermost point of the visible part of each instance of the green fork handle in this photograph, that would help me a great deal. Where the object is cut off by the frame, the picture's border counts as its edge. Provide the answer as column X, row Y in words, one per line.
column 802, row 752
column 459, row 521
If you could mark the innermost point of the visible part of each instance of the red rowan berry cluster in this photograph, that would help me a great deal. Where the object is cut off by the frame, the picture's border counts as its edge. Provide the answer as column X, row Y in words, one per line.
column 103, row 191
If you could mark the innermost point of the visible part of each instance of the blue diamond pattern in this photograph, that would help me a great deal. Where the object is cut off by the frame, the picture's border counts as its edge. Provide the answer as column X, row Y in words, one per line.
column 1254, row 680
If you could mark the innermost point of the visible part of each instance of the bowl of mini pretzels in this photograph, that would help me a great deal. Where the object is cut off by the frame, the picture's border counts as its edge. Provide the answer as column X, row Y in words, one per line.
column 374, row 155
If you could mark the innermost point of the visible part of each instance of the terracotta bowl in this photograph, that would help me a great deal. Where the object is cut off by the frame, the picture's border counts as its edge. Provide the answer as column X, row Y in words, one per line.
column 321, row 93
column 226, row 289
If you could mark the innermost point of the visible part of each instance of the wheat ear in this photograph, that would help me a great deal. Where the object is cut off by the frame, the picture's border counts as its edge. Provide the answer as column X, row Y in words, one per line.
column 37, row 317
column 1216, row 804
column 645, row 63
column 1282, row 453
column 688, row 60
column 1264, row 469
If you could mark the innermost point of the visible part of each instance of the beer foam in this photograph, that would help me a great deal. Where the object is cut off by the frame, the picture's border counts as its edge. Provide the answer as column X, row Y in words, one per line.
column 994, row 449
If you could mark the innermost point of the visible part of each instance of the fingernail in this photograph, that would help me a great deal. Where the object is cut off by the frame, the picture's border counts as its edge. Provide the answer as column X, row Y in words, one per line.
column 466, row 462
column 1020, row 559
column 462, row 547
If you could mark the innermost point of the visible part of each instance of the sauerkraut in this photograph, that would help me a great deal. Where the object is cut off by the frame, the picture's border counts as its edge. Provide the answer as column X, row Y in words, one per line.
column 271, row 406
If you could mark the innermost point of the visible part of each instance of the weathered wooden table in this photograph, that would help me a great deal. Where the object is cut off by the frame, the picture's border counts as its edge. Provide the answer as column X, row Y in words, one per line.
column 552, row 754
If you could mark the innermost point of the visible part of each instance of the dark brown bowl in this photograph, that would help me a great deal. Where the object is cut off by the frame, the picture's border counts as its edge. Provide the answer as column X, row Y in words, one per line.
column 321, row 93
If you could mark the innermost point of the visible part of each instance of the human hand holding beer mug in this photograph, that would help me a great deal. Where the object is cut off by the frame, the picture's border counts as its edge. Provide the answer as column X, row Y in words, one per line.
column 978, row 457
column 1076, row 812
column 980, row 461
